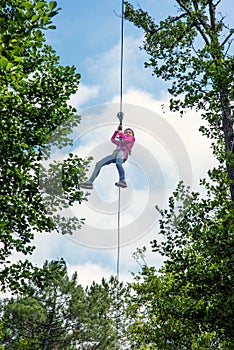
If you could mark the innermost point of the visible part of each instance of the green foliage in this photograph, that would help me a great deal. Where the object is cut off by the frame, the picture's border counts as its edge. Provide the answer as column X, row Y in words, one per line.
column 60, row 188
column 185, row 48
column 24, row 319
column 21, row 26
column 1, row 346
column 199, row 246
column 192, row 49
column 159, row 317
column 63, row 314
column 189, row 303
column 34, row 90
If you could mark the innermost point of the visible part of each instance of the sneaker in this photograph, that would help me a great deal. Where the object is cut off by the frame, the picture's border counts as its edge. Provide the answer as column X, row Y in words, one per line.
column 87, row 185
column 121, row 183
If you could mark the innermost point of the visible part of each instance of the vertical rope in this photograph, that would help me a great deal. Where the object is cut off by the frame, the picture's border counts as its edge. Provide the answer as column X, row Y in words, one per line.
column 121, row 55
column 119, row 200
column 117, row 274
column 120, row 108
column 118, row 238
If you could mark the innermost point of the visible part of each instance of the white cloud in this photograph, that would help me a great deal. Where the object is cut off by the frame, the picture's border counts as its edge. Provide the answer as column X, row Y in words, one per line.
column 91, row 251
column 89, row 272
column 84, row 94
column 152, row 163
column 105, row 67
column 197, row 146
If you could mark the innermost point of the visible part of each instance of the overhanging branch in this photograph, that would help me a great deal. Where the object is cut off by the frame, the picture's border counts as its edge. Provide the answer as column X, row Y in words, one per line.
column 196, row 22
column 172, row 20
column 228, row 37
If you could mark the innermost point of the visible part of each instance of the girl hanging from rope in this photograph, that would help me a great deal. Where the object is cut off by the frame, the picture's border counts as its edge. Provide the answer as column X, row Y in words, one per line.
column 124, row 141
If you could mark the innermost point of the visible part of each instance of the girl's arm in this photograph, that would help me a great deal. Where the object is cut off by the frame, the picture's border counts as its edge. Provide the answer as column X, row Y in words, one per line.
column 113, row 138
column 126, row 139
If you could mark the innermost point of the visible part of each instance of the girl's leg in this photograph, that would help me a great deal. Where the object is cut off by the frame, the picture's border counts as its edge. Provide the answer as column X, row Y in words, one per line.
column 105, row 161
column 119, row 165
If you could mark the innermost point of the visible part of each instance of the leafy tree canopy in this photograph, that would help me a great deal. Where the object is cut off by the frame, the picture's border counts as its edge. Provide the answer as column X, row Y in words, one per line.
column 34, row 90
column 188, row 304
column 62, row 314
column 193, row 48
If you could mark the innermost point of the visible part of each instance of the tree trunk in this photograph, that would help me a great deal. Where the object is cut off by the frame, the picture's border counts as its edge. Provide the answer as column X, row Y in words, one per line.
column 48, row 331
column 228, row 136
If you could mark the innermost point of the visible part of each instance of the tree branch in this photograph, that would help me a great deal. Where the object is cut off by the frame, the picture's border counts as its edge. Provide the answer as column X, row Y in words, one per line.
column 201, row 20
column 196, row 23
column 212, row 14
column 228, row 37
column 215, row 5
column 229, row 45
column 172, row 20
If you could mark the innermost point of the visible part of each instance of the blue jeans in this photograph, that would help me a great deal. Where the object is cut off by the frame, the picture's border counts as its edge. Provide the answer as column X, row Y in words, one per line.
column 108, row 160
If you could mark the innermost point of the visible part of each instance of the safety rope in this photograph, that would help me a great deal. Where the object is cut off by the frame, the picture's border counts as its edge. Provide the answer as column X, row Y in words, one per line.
column 117, row 276
column 118, row 237
column 120, row 117
column 121, row 55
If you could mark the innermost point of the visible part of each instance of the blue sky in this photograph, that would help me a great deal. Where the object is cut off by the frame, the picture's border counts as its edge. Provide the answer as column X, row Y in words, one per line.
column 87, row 31
column 167, row 148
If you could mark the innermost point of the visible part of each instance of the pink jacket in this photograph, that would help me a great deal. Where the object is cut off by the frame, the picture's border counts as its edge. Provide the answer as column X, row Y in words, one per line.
column 123, row 142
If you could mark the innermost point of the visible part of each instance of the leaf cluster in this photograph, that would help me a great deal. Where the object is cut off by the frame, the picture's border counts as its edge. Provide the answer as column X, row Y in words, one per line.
column 34, row 117
column 62, row 314
column 191, row 49
column 189, row 302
